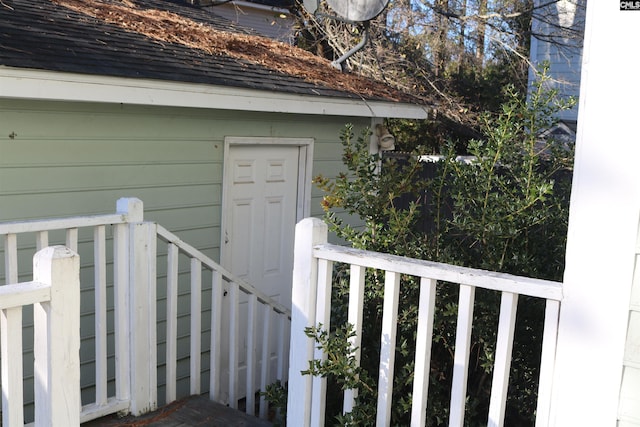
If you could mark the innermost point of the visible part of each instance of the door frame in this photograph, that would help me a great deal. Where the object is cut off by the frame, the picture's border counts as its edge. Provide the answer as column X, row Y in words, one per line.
column 305, row 167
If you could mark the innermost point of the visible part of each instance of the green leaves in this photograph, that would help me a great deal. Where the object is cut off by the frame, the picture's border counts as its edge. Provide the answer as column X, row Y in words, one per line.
column 502, row 201
column 506, row 210
column 369, row 190
column 342, row 367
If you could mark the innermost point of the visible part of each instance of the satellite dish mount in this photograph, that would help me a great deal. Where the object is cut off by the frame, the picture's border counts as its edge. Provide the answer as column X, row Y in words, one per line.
column 358, row 12
column 365, row 38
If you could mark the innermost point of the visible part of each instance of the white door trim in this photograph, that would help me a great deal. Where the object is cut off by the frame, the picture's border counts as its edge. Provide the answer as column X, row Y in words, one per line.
column 305, row 170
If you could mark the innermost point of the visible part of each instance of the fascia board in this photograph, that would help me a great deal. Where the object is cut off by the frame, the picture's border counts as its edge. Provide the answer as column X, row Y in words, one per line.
column 49, row 85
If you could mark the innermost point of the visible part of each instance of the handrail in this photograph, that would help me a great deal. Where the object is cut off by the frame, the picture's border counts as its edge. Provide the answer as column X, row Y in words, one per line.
column 25, row 293
column 169, row 237
column 16, row 227
column 445, row 272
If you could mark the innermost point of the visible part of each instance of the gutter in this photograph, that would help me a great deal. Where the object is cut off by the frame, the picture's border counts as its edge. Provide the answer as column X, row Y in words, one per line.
column 19, row 83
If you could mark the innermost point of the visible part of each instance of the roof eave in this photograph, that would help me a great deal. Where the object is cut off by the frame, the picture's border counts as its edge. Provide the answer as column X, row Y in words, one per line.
column 60, row 86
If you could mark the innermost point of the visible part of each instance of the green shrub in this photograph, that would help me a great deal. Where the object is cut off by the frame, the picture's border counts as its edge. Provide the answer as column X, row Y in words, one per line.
column 504, row 211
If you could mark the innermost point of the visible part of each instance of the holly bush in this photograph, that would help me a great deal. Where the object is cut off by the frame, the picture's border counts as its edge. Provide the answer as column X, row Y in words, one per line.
column 504, row 210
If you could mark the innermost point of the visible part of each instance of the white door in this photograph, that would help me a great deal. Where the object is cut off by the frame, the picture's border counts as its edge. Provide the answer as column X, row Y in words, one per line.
column 261, row 205
column 260, row 216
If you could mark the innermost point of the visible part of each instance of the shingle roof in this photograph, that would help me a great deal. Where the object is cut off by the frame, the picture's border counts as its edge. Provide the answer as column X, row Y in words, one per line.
column 106, row 37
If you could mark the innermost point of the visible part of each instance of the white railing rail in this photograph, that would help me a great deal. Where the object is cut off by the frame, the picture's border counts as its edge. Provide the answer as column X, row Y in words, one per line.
column 54, row 294
column 124, row 281
column 311, row 298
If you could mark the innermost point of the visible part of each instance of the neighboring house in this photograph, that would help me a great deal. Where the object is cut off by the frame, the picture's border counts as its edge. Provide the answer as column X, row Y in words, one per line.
column 269, row 18
column 218, row 133
column 557, row 36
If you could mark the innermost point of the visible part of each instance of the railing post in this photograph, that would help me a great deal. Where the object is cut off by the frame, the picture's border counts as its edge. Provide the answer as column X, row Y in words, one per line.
column 141, row 294
column 309, row 232
column 132, row 208
column 142, row 305
column 57, row 338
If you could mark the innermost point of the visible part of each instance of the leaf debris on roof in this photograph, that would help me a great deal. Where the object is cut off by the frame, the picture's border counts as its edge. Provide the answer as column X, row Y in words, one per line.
column 168, row 27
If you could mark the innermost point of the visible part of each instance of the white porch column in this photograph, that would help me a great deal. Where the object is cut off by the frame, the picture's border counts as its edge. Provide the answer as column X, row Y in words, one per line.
column 605, row 206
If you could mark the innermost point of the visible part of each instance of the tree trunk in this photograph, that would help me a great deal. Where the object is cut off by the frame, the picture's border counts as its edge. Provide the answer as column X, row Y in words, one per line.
column 440, row 44
column 461, row 38
column 481, row 33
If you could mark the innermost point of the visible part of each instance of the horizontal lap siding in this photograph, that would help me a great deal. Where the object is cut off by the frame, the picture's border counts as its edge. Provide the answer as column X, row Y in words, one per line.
column 72, row 159
column 68, row 159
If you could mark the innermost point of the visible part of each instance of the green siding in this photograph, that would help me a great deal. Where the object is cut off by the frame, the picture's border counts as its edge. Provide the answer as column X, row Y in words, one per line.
column 67, row 159
column 73, row 158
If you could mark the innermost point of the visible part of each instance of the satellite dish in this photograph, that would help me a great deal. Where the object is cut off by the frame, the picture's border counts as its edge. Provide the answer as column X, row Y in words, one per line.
column 358, row 10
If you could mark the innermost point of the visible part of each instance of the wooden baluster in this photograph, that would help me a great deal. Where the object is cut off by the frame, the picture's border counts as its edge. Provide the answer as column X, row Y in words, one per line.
column 502, row 364
column 11, row 372
column 388, row 347
column 11, row 345
column 172, row 322
column 42, row 240
column 71, row 239
column 250, row 356
column 233, row 344
column 354, row 317
column 100, row 296
column 547, row 362
column 265, row 359
column 426, row 311
column 216, row 332
column 323, row 316
column 121, row 310
column 461, row 355
column 196, row 325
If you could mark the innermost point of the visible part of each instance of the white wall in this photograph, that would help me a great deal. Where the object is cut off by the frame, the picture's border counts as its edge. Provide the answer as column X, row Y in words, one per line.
column 605, row 206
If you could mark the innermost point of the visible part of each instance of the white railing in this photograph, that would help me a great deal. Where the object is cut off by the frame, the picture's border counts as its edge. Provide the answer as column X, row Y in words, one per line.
column 87, row 236
column 312, row 281
column 265, row 361
column 54, row 294
column 121, row 271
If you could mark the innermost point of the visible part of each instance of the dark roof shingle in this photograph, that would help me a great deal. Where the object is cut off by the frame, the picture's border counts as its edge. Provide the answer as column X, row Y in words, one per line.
column 110, row 39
